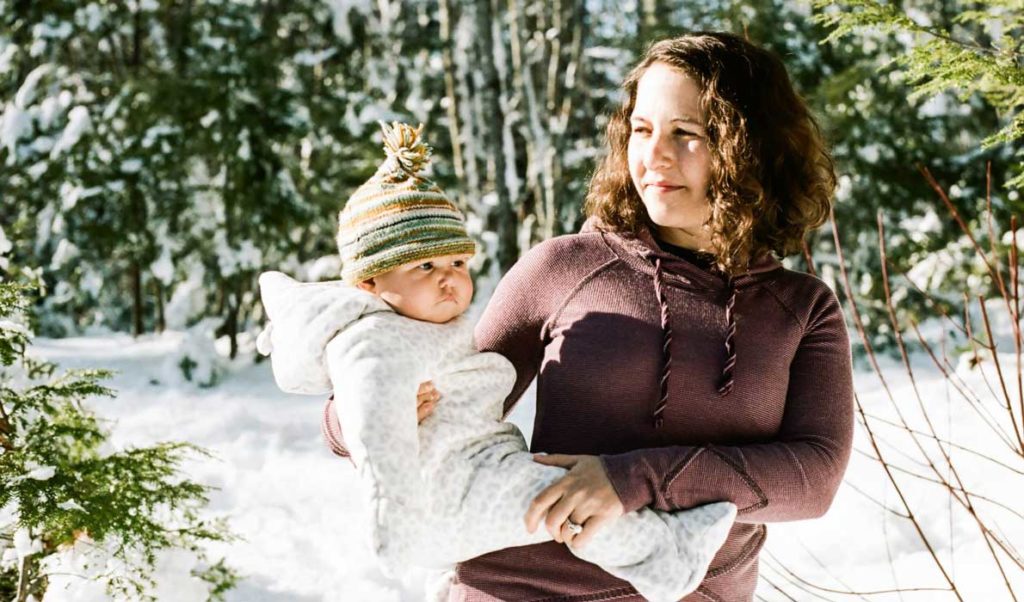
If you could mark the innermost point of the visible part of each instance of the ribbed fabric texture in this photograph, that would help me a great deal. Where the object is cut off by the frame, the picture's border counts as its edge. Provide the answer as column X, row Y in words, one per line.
column 398, row 215
column 331, row 430
column 581, row 314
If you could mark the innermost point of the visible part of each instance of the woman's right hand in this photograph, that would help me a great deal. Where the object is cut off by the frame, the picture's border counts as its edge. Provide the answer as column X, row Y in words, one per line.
column 426, row 400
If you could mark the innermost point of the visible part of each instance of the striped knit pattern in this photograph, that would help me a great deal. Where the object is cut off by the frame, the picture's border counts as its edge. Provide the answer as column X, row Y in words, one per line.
column 398, row 216
column 730, row 345
column 666, row 347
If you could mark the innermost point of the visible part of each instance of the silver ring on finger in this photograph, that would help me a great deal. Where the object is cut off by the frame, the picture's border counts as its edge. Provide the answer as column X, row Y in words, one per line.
column 574, row 528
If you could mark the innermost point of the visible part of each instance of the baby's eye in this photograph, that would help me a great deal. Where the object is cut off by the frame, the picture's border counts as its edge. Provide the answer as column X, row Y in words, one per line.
column 426, row 267
column 458, row 263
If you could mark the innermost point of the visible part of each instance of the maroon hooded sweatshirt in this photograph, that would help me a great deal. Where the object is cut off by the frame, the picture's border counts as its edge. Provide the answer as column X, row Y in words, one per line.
column 691, row 387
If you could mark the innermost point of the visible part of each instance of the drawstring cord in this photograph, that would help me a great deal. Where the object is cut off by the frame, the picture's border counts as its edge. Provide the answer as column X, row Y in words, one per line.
column 666, row 347
column 727, row 379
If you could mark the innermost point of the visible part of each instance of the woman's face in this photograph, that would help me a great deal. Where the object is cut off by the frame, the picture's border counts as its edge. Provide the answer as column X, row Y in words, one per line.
column 668, row 155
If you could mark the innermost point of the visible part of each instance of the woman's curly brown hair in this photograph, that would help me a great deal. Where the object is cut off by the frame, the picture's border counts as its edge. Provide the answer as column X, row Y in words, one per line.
column 772, row 177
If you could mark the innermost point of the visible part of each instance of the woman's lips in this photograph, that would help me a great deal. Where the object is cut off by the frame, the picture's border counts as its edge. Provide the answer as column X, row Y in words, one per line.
column 662, row 187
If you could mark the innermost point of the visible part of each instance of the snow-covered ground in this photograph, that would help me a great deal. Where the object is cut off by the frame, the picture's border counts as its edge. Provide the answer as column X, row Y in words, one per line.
column 302, row 528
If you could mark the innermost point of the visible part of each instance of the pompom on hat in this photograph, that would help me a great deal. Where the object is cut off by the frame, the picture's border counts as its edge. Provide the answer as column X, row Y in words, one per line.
column 398, row 215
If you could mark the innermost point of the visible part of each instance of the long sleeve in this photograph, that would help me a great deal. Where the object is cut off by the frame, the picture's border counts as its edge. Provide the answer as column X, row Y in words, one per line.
column 793, row 477
column 330, row 428
column 514, row 320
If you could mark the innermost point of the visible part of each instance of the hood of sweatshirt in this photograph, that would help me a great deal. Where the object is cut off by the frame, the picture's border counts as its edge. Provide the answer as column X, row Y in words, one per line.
column 641, row 250
column 303, row 318
column 642, row 253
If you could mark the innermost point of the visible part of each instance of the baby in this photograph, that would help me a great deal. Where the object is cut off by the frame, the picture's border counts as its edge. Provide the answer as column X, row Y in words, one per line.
column 459, row 484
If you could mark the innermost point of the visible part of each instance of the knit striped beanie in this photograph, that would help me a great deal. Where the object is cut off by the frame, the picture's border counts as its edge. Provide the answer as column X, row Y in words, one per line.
column 398, row 216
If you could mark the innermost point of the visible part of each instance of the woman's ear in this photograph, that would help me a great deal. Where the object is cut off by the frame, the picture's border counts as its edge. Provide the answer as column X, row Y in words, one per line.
column 368, row 285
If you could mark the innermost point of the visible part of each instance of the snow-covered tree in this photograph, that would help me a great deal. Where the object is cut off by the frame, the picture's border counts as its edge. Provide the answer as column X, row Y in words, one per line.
column 936, row 87
column 156, row 155
column 143, row 142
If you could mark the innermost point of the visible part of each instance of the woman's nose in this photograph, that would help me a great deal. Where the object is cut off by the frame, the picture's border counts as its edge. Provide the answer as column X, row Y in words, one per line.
column 657, row 154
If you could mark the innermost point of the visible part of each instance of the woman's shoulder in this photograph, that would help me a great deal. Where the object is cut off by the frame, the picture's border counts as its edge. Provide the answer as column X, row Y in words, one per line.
column 571, row 245
column 807, row 296
column 545, row 275
column 567, row 256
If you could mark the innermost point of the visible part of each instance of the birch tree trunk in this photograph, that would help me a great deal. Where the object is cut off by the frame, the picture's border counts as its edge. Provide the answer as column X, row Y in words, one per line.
column 563, row 99
column 463, row 58
column 546, row 60
column 501, row 219
column 532, row 129
column 512, row 96
column 452, row 108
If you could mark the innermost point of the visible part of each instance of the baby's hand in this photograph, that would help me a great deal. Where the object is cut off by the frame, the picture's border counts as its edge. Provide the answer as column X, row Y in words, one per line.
column 426, row 400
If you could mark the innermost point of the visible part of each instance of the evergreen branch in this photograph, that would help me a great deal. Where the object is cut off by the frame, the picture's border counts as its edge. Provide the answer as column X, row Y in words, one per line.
column 863, row 14
column 1011, row 131
column 971, row 45
column 867, row 14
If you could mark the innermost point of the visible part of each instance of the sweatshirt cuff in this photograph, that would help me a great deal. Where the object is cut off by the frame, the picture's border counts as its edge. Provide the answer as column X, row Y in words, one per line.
column 331, row 429
column 629, row 481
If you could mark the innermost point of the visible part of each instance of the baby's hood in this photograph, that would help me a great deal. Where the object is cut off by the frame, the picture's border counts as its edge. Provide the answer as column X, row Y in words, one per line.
column 303, row 318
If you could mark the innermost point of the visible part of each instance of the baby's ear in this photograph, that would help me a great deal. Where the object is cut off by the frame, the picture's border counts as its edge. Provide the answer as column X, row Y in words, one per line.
column 368, row 285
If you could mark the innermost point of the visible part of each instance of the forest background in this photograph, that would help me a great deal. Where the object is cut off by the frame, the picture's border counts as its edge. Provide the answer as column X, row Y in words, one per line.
column 157, row 155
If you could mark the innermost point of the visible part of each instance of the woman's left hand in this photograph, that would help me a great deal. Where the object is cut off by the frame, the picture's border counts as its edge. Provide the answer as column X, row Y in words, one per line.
column 585, row 495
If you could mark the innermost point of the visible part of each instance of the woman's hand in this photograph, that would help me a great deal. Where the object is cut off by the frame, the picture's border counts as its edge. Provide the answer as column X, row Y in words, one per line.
column 585, row 495
column 426, row 400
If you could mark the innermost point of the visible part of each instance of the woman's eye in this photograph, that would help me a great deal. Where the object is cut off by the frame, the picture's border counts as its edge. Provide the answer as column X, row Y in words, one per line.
column 685, row 133
column 639, row 129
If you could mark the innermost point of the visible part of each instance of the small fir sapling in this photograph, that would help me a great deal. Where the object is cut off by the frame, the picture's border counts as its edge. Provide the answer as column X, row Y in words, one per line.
column 65, row 489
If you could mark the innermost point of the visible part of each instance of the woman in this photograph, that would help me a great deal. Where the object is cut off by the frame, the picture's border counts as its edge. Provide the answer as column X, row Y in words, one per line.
column 677, row 361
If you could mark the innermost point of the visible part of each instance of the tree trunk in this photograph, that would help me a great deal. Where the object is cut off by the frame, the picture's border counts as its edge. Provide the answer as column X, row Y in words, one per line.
column 22, row 593
column 566, row 94
column 158, row 291
column 653, row 22
column 464, row 65
column 136, row 276
column 501, row 218
column 533, row 130
column 184, row 24
column 234, row 301
column 452, row 109
column 648, row 15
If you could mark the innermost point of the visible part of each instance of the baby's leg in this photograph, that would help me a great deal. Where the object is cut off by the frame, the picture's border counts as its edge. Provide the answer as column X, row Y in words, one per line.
column 479, row 501
column 663, row 555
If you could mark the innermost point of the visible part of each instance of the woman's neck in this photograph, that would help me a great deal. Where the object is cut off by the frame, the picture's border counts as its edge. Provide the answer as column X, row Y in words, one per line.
column 686, row 239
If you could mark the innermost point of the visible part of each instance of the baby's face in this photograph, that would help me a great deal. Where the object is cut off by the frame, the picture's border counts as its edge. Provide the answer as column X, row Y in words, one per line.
column 433, row 290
